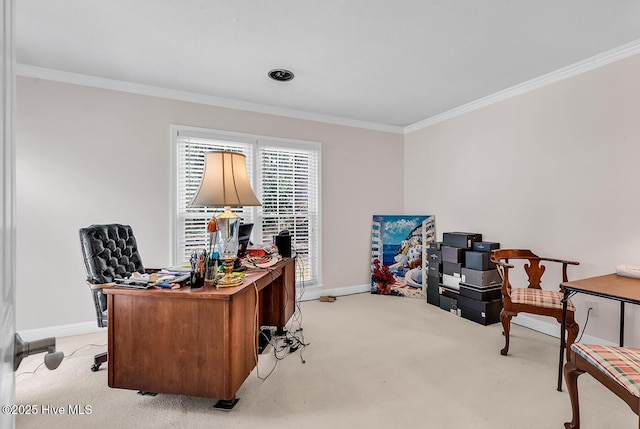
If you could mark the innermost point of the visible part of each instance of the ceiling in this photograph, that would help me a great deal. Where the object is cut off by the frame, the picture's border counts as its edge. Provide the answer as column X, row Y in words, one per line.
column 391, row 63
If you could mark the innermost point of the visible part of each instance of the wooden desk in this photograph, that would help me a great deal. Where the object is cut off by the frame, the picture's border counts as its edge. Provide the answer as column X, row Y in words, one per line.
column 200, row 342
column 611, row 286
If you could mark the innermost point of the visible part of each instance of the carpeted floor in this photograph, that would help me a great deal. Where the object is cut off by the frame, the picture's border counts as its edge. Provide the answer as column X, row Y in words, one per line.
column 372, row 362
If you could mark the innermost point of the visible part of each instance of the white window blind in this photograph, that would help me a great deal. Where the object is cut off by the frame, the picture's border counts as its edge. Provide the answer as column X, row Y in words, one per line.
column 286, row 179
column 191, row 222
column 288, row 188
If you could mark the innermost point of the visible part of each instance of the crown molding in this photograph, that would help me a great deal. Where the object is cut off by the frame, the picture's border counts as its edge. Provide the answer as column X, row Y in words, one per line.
column 154, row 91
column 580, row 67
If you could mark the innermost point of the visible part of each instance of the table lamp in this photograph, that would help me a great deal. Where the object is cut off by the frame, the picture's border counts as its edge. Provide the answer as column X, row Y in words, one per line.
column 225, row 183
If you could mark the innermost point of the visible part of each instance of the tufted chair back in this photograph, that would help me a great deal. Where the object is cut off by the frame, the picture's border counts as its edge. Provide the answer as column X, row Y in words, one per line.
column 110, row 252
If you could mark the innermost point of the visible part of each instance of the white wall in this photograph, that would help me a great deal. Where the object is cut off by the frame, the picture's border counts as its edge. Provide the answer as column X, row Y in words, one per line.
column 555, row 170
column 87, row 155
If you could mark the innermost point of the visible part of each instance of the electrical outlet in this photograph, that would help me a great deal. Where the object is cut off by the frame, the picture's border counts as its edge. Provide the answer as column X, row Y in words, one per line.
column 594, row 308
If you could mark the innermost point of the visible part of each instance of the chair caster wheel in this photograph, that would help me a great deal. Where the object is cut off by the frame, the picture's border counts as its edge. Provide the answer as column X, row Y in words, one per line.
column 95, row 367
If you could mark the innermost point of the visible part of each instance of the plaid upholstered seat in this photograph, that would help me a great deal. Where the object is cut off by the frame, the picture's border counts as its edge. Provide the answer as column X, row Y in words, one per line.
column 619, row 363
column 531, row 299
column 539, row 298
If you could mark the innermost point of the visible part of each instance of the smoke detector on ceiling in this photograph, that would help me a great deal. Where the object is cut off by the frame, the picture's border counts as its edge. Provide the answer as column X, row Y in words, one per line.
column 281, row 75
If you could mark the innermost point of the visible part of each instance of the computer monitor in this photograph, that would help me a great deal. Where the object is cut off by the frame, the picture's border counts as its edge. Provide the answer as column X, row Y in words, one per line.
column 244, row 237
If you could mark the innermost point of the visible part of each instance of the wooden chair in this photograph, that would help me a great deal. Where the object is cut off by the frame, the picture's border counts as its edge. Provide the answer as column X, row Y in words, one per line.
column 617, row 368
column 532, row 299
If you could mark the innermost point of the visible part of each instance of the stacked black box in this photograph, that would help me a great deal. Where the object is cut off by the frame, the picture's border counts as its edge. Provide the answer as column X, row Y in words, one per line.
column 434, row 273
column 453, row 255
column 480, row 286
column 463, row 240
column 454, row 249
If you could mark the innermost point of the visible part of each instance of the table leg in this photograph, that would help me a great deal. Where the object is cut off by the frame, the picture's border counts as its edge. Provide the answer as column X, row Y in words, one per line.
column 563, row 326
column 621, row 323
column 226, row 404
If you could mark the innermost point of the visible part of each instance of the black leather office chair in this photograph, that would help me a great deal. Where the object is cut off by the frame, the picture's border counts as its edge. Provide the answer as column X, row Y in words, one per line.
column 110, row 252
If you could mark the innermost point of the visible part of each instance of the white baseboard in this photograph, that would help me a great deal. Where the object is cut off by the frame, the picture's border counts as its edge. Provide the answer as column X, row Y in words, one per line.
column 310, row 293
column 318, row 291
column 553, row 329
column 350, row 290
column 60, row 331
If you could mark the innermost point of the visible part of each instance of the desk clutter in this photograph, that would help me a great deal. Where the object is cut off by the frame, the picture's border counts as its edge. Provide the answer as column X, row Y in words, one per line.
column 162, row 279
column 262, row 256
column 462, row 279
column 204, row 265
column 203, row 268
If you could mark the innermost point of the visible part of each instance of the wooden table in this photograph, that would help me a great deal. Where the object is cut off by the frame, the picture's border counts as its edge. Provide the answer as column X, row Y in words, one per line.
column 200, row 342
column 611, row 286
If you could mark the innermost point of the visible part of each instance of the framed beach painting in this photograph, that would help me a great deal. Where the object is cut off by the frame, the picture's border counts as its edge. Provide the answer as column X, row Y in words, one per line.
column 398, row 254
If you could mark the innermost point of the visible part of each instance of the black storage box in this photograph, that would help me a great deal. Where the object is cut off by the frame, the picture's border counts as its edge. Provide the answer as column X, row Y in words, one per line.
column 453, row 254
column 480, row 278
column 434, row 255
column 433, row 294
column 434, row 270
column 435, row 245
column 452, row 268
column 445, row 290
column 434, row 281
column 483, row 312
column 448, row 304
column 460, row 239
column 481, row 293
column 478, row 260
column 485, row 246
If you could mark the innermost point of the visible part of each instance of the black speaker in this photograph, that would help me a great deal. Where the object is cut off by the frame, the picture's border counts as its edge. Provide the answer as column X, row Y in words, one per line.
column 283, row 243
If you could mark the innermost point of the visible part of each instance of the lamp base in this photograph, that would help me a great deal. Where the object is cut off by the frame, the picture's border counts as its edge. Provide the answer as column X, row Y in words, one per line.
column 234, row 281
column 229, row 279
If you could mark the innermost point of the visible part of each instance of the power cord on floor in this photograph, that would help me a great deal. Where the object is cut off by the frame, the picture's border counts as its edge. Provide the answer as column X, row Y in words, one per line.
column 258, row 333
column 66, row 356
column 292, row 339
column 585, row 325
column 295, row 337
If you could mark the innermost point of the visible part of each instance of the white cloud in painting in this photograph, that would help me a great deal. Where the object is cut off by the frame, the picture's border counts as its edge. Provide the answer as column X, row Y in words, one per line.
column 398, row 229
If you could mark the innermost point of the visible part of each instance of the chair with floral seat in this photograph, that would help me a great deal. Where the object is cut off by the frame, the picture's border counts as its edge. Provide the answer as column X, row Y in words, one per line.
column 531, row 299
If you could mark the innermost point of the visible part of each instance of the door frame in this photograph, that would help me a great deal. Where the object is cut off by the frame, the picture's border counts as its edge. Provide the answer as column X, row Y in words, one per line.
column 7, row 213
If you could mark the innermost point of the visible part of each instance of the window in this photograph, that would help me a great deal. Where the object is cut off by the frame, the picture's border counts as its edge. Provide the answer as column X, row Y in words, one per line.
column 288, row 189
column 286, row 179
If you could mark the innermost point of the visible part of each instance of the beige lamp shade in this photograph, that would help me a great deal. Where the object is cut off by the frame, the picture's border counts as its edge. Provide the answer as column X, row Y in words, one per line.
column 225, row 182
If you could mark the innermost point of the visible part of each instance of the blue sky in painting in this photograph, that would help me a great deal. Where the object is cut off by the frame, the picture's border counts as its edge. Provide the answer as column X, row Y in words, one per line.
column 396, row 228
